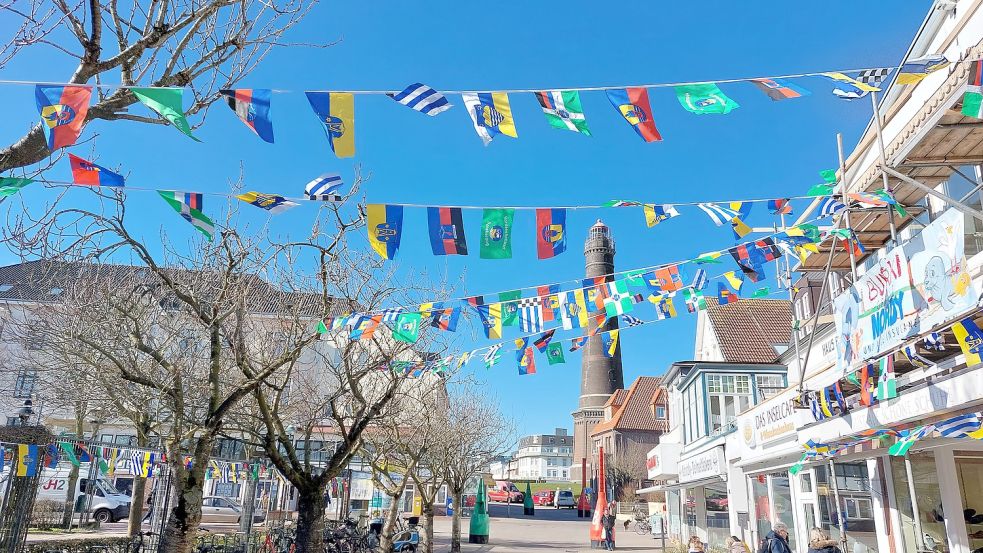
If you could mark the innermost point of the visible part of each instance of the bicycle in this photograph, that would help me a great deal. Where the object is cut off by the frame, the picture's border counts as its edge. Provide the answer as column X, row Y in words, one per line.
column 136, row 543
column 642, row 527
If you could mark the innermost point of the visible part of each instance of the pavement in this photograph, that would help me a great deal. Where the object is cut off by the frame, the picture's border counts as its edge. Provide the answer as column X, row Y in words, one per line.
column 509, row 530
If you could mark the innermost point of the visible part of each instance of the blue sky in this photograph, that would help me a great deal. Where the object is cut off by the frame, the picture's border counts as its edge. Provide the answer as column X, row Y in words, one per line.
column 763, row 149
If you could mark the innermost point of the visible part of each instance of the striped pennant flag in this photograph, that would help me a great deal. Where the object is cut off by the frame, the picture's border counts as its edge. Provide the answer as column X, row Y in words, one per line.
column 390, row 315
column 718, row 214
column 959, row 427
column 700, row 279
column 422, row 98
column 631, row 320
column 492, row 356
column 934, row 341
column 324, row 188
column 830, row 206
column 908, row 439
column 531, row 315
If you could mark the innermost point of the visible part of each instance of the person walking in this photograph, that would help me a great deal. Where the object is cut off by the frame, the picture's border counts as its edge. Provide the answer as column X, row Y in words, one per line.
column 776, row 541
column 819, row 542
column 735, row 545
column 150, row 504
column 607, row 522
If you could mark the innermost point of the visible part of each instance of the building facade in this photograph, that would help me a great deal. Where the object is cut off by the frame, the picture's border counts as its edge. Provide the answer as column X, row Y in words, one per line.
column 547, row 457
column 634, row 420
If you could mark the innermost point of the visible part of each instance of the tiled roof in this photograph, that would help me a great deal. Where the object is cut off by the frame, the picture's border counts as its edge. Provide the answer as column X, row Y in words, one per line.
column 749, row 329
column 617, row 398
column 44, row 281
column 636, row 409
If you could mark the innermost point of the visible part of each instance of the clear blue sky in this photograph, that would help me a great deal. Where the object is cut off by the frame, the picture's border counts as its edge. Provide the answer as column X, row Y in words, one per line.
column 763, row 149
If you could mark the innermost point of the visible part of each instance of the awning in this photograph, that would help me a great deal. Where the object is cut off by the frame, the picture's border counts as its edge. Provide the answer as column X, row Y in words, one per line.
column 681, row 485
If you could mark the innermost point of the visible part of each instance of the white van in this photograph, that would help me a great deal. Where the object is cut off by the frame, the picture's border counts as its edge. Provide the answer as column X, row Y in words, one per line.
column 108, row 504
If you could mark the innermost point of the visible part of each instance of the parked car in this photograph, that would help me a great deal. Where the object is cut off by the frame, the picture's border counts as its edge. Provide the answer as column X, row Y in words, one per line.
column 223, row 509
column 564, row 498
column 505, row 491
column 543, row 497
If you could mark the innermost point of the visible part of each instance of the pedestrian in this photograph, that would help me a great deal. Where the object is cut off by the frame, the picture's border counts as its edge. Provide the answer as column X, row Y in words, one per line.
column 735, row 545
column 150, row 504
column 819, row 542
column 607, row 522
column 776, row 541
column 696, row 545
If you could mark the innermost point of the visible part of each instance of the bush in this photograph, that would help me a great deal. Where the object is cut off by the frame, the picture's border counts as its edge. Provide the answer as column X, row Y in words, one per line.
column 47, row 514
column 111, row 545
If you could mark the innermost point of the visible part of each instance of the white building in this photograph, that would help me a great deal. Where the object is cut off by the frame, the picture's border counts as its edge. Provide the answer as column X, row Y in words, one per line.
column 547, row 457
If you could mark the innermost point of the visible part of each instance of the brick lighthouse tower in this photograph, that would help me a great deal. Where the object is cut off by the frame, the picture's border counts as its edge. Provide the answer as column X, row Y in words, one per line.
column 600, row 375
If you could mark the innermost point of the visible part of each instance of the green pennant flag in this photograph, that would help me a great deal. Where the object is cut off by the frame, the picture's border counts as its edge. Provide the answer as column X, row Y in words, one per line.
column 510, row 310
column 407, row 327
column 888, row 197
column 811, row 231
column 554, row 353
column 103, row 466
column 321, row 328
column 69, row 450
column 852, row 378
column 794, row 469
column 194, row 216
column 496, row 234
column 12, row 185
column 168, row 103
column 635, row 279
column 828, row 175
column 705, row 98
column 761, row 293
column 820, row 190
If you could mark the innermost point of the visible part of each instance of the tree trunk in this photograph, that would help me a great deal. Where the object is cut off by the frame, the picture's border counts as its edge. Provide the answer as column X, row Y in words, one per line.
column 310, row 518
column 456, row 522
column 388, row 526
column 73, row 478
column 428, row 518
column 137, row 499
column 179, row 534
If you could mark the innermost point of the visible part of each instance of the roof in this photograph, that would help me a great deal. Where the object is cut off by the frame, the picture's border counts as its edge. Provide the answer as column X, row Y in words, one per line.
column 749, row 329
column 44, row 281
column 636, row 409
column 617, row 398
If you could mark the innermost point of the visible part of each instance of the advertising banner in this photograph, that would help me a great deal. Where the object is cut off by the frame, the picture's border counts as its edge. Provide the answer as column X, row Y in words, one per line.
column 912, row 289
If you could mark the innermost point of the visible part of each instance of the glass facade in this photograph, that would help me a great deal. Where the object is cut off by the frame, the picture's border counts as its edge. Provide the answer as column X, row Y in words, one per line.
column 854, row 512
column 919, row 502
column 718, row 521
column 969, row 471
column 772, row 497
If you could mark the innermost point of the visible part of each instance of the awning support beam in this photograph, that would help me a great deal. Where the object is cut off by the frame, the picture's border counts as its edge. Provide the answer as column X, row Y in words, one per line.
column 933, row 192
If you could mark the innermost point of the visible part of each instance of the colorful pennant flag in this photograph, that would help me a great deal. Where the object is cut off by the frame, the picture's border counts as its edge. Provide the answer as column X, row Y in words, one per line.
column 761, row 292
column 270, row 202
column 496, row 233
column 820, row 190
column 867, row 397
column 63, row 110
column 664, row 308
column 28, row 459
column 490, row 113
column 705, row 98
column 527, row 362
column 385, row 228
column 365, row 328
column 324, row 188
column 632, row 321
column 554, row 353
column 551, row 303
column 780, row 89
column 725, row 296
column 655, row 214
column 492, row 356
column 916, row 359
column 422, row 98
column 780, row 207
column 447, row 231
column 669, row 278
column 908, row 439
column 718, row 214
column 700, row 279
column 734, row 281
column 610, row 341
column 446, row 318
column 12, row 185
column 336, row 112
column 829, row 206
column 563, row 110
column 850, row 88
column 633, row 105
column 973, row 97
column 551, row 235
column 491, row 320
column 970, row 339
column 510, row 307
column 695, row 301
column 958, row 427
column 578, row 342
column 544, row 340
column 887, row 384
column 168, row 103
column 86, row 173
column 917, row 69
column 619, row 299
column 530, row 315
column 573, row 310
column 252, row 105
column 188, row 205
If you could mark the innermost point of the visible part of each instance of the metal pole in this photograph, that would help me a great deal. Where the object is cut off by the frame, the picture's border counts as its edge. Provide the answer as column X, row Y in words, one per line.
column 846, row 201
column 836, row 497
column 887, row 184
column 929, row 190
column 914, row 504
column 815, row 316
column 791, row 299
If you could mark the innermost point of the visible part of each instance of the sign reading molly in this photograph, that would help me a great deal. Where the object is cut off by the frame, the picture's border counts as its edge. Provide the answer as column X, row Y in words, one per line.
column 913, row 288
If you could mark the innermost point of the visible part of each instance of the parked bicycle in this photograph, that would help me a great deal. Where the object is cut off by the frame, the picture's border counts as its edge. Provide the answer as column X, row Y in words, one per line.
column 137, row 543
column 642, row 527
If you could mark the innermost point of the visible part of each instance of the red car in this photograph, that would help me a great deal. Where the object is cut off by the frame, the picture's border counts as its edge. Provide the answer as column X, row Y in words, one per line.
column 505, row 491
column 543, row 498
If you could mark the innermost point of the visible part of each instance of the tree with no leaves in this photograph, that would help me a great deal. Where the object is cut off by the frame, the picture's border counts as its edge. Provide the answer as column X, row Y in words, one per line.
column 205, row 45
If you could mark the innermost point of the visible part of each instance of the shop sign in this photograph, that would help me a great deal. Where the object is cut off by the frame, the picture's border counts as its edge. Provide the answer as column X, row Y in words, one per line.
column 662, row 461
column 362, row 489
column 704, row 465
column 774, row 420
column 915, row 287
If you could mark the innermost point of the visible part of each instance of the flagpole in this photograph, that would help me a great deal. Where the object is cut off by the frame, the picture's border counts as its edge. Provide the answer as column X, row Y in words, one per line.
column 791, row 299
column 846, row 202
column 880, row 144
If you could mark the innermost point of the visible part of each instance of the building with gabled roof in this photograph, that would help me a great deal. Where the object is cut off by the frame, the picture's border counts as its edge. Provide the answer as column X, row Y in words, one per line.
column 633, row 421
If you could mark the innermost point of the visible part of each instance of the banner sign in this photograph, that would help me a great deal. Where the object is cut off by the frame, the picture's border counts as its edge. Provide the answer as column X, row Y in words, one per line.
column 912, row 289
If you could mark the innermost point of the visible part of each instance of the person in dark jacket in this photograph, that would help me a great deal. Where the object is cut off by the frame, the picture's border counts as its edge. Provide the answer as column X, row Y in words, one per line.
column 819, row 542
column 778, row 538
column 607, row 522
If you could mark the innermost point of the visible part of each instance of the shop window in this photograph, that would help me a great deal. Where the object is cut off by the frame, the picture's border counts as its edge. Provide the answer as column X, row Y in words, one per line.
column 781, row 494
column 762, row 504
column 922, row 527
column 718, row 521
column 969, row 468
column 854, row 513
column 857, row 508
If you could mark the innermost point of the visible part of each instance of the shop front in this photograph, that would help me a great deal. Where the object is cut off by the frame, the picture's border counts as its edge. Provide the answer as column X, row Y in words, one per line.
column 698, row 502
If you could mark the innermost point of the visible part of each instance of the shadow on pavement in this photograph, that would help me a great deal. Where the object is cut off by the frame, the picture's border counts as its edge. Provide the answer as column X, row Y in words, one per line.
column 502, row 510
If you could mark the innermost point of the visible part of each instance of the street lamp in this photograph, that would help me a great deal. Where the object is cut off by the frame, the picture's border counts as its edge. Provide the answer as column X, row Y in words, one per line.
column 26, row 411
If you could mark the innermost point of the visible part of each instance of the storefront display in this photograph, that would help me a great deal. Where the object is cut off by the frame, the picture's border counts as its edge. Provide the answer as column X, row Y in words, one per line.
column 919, row 502
column 969, row 470
column 772, row 498
column 848, row 506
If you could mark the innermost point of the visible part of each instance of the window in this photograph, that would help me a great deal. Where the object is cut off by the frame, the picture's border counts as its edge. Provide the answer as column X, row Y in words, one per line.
column 858, row 508
column 25, row 383
column 769, row 385
column 13, row 421
column 660, row 412
column 728, row 395
column 5, row 287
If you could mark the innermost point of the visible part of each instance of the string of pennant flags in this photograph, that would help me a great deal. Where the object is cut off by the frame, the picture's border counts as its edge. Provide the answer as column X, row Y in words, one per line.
column 30, row 458
column 63, row 107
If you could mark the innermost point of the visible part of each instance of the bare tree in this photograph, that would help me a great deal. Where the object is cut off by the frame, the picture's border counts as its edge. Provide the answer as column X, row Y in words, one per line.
column 205, row 45
column 475, row 432
column 626, row 469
